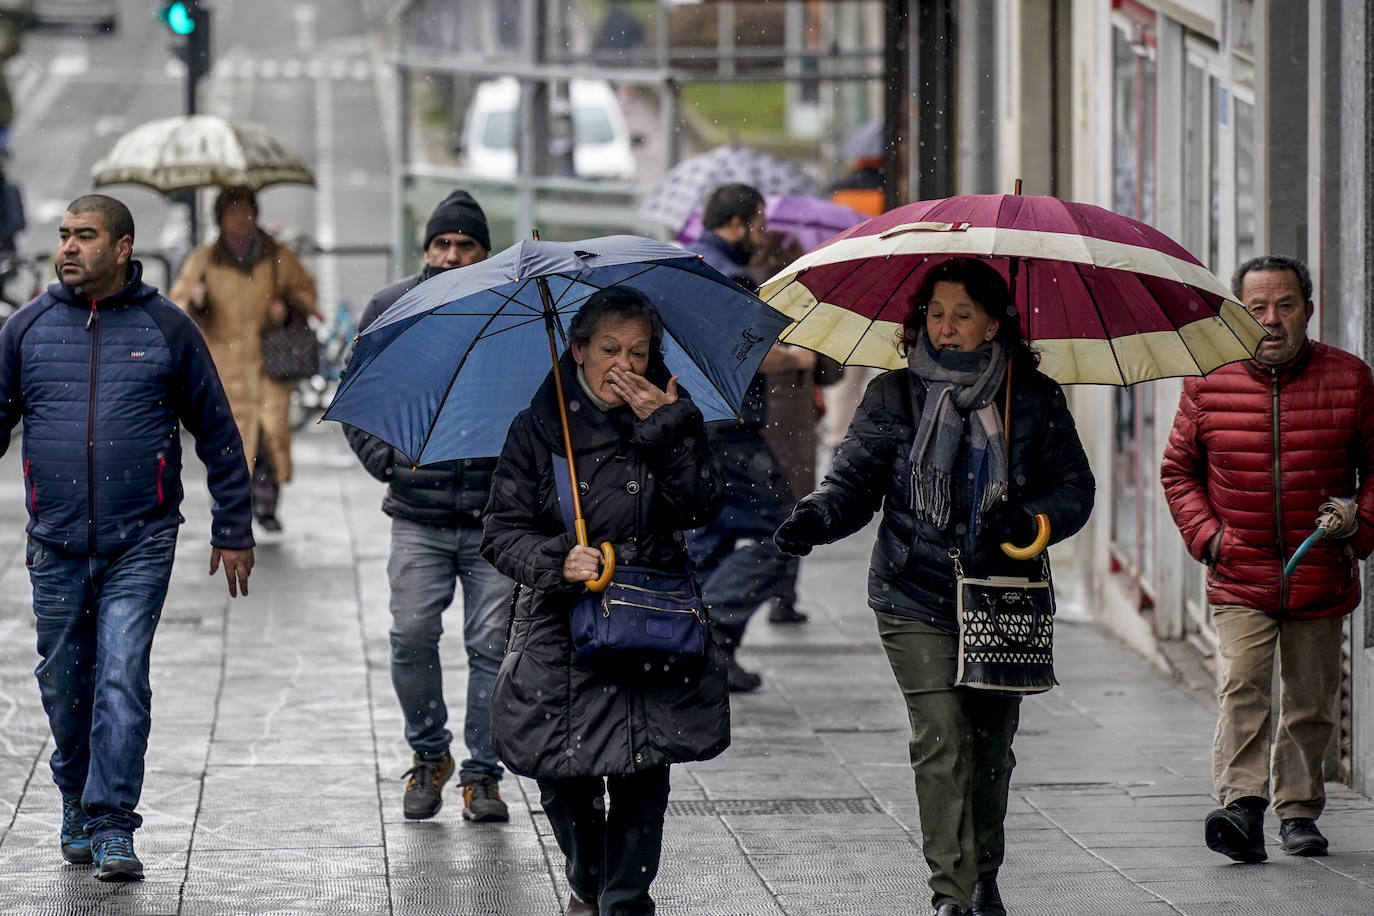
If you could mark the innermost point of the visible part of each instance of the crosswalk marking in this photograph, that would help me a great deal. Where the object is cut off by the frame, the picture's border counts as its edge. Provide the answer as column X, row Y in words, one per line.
column 269, row 68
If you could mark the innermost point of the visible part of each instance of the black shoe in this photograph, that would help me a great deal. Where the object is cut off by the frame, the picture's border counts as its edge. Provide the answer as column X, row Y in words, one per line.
column 1299, row 836
column 482, row 801
column 950, row 909
column 786, row 612
column 270, row 524
column 986, row 899
column 75, row 839
column 739, row 680
column 424, row 797
column 115, row 859
column 1238, row 830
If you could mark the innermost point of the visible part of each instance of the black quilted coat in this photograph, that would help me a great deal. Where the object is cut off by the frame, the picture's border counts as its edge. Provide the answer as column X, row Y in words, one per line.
column 911, row 573
column 642, row 482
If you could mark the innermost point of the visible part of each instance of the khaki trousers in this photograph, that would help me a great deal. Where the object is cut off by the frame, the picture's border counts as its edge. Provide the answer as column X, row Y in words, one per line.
column 1309, row 655
column 961, row 755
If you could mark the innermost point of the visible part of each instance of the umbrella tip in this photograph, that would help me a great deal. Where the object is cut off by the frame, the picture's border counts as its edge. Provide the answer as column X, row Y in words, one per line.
column 1017, row 187
column 535, row 234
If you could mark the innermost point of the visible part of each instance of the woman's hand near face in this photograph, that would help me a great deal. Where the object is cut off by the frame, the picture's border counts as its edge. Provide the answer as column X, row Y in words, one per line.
column 641, row 394
column 582, row 564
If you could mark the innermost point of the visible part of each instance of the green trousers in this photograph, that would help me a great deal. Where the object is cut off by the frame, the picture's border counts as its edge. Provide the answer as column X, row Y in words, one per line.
column 961, row 755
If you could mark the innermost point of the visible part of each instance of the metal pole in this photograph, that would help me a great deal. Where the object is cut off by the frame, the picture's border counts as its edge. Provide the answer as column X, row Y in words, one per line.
column 896, row 115
column 935, row 66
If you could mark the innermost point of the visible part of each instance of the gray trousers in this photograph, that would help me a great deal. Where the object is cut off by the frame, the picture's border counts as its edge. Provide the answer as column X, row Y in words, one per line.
column 961, row 756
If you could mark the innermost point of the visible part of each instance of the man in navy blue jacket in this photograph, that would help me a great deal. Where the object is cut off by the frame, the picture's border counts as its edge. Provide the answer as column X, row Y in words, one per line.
column 103, row 371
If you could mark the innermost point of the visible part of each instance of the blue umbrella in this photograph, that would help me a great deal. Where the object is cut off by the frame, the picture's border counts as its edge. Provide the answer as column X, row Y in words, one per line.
column 441, row 374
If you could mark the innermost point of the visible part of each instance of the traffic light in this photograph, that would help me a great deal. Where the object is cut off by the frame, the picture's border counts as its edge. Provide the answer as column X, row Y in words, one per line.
column 189, row 21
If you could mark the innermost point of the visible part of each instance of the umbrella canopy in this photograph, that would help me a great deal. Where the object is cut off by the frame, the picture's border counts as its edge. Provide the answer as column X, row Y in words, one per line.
column 809, row 220
column 195, row 151
column 442, row 372
column 1105, row 299
column 686, row 185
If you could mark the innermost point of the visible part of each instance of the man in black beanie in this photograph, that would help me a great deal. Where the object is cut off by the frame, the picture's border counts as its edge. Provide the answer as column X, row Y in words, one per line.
column 436, row 528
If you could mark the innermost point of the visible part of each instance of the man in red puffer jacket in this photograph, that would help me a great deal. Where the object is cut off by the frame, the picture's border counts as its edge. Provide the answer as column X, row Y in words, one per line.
column 1258, row 451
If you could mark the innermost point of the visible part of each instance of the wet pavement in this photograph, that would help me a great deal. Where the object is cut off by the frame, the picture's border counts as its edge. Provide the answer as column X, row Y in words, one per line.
column 274, row 767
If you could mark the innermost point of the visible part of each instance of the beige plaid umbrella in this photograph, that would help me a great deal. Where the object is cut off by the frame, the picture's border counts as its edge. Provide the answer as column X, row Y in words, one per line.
column 195, row 151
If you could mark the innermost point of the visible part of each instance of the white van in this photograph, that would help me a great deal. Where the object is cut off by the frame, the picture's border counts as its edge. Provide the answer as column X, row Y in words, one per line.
column 602, row 145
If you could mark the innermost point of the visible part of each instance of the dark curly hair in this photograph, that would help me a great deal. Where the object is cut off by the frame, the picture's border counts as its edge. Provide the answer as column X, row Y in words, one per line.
column 984, row 286
column 621, row 303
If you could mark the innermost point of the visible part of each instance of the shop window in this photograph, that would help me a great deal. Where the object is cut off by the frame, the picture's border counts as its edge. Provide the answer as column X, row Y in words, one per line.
column 1135, row 477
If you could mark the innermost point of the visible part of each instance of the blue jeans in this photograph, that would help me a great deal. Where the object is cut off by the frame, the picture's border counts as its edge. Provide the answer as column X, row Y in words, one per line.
column 95, row 619
column 426, row 561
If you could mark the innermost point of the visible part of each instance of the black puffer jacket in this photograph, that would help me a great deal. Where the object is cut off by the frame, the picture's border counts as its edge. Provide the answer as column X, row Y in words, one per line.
column 911, row 573
column 642, row 482
column 450, row 493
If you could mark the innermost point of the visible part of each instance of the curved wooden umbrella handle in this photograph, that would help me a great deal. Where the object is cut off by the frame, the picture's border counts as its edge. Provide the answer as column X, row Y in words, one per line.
column 607, row 569
column 1042, row 537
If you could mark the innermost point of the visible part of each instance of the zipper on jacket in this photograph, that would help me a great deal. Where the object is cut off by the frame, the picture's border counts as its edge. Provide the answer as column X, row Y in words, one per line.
column 33, row 488
column 1278, row 490
column 93, row 325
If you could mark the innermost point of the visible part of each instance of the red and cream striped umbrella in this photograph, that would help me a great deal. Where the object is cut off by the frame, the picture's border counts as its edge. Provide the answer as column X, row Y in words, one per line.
column 1105, row 299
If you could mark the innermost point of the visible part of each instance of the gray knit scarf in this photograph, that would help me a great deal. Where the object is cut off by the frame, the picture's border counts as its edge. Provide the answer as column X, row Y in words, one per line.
column 960, row 390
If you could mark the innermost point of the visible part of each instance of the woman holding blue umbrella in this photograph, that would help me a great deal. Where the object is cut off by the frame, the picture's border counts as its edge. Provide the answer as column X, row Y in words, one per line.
column 582, row 729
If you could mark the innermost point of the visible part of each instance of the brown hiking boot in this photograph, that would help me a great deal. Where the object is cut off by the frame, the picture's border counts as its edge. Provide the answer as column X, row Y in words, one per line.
column 482, row 801
column 423, row 797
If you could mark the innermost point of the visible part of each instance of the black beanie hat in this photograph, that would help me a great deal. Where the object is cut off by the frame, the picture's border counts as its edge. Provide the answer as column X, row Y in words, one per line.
column 458, row 213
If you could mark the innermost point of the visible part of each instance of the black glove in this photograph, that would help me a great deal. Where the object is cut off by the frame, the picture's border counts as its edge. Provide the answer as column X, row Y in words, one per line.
column 803, row 528
column 1007, row 521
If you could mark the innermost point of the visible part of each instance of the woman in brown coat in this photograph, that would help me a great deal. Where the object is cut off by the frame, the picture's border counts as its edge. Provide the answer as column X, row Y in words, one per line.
column 235, row 287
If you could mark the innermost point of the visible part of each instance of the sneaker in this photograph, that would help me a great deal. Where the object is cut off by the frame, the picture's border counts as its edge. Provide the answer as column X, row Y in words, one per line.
column 786, row 612
column 270, row 524
column 740, row 680
column 1299, row 836
column 1238, row 830
column 423, row 797
column 482, row 801
column 115, row 859
column 76, row 841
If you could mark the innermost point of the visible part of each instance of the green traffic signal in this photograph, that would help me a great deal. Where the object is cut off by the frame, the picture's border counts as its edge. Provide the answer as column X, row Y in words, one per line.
column 178, row 18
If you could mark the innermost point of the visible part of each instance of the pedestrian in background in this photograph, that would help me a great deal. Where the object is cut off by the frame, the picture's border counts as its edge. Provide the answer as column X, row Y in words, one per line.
column 795, row 409
column 436, row 532
column 582, row 730
column 927, row 447
column 739, row 565
column 103, row 372
column 11, row 214
column 1257, row 450
column 235, row 288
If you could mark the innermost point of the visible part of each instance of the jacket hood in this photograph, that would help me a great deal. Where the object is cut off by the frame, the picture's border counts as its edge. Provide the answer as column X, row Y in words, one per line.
column 133, row 292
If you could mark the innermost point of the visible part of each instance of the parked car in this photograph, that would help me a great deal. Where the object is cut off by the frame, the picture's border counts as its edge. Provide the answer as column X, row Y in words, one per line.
column 602, row 146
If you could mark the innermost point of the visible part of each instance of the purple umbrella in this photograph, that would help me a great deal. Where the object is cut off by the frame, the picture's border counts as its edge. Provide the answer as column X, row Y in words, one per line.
column 809, row 220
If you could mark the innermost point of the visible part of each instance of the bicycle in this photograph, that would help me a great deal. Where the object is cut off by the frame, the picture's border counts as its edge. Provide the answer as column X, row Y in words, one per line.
column 21, row 280
column 313, row 394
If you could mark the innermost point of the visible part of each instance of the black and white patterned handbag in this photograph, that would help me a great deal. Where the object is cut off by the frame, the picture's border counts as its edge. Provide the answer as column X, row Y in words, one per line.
column 1006, row 632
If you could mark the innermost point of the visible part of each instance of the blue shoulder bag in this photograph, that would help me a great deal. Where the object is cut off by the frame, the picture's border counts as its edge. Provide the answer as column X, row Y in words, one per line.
column 645, row 619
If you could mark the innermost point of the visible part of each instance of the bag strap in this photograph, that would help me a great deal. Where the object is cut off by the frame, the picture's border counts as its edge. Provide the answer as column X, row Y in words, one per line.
column 562, row 488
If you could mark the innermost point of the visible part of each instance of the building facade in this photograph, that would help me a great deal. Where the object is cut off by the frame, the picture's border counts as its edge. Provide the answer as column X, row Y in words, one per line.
column 1239, row 127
